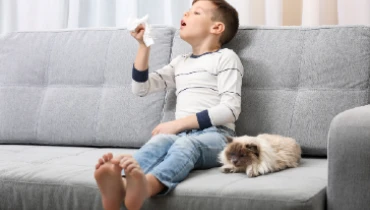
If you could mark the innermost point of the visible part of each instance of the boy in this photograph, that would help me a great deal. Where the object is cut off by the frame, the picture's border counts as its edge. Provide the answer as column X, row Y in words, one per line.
column 208, row 87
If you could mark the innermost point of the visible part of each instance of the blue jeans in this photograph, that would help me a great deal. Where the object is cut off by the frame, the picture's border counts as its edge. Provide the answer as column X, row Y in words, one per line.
column 170, row 158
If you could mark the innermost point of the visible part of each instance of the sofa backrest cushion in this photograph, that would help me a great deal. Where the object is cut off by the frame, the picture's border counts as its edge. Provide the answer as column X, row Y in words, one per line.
column 297, row 79
column 74, row 88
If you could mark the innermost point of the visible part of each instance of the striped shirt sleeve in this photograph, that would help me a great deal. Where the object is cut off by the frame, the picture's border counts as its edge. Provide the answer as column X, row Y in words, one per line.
column 229, row 82
column 144, row 83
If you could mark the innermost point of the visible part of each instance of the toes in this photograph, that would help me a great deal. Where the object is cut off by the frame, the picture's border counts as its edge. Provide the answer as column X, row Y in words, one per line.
column 105, row 158
column 100, row 162
column 117, row 159
column 132, row 167
column 122, row 161
column 126, row 162
column 97, row 166
column 110, row 156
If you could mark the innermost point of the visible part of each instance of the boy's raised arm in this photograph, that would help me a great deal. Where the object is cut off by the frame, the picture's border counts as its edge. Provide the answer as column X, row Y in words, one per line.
column 144, row 83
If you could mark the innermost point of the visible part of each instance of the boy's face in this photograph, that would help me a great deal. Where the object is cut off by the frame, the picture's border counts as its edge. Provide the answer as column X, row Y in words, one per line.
column 197, row 22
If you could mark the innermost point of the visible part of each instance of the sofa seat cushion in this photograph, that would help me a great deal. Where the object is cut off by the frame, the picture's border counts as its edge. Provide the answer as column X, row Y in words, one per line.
column 53, row 177
column 299, row 188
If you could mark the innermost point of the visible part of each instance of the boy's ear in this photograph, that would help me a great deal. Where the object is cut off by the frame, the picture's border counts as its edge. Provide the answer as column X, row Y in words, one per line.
column 218, row 28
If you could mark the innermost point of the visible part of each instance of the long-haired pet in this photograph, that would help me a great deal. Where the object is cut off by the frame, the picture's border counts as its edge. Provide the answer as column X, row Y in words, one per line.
column 259, row 155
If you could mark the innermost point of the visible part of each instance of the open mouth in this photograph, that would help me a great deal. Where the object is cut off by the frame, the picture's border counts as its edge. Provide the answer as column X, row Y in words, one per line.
column 183, row 24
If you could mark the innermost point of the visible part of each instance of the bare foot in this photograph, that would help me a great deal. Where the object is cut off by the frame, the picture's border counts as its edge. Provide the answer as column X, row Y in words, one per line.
column 105, row 158
column 137, row 185
column 108, row 157
column 110, row 183
column 118, row 158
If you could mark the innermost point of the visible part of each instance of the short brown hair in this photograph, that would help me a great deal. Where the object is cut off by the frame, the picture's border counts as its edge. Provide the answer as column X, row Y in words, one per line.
column 228, row 15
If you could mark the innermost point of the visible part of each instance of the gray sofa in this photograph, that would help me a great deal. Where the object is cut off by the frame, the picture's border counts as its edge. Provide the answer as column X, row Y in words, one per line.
column 65, row 99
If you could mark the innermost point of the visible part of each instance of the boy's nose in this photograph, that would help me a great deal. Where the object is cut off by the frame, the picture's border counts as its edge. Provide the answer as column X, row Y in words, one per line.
column 186, row 14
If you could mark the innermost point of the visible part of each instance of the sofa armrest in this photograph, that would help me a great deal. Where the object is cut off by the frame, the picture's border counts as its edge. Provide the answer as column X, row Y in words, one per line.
column 349, row 160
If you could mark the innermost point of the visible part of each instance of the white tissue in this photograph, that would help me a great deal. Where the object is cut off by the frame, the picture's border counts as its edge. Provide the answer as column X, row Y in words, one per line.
column 132, row 24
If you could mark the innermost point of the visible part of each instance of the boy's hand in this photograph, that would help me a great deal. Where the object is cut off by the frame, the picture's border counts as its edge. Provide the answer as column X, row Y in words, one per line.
column 176, row 126
column 172, row 127
column 138, row 34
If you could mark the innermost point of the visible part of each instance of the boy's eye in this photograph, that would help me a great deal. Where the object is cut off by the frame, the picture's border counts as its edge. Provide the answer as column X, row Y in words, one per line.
column 197, row 13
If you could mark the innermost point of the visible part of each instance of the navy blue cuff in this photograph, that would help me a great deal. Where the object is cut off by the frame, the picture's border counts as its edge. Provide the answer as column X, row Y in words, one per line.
column 139, row 76
column 203, row 119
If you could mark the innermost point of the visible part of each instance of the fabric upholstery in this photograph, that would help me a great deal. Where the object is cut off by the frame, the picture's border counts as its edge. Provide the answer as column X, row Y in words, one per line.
column 297, row 79
column 53, row 177
column 66, row 99
column 74, row 88
column 349, row 158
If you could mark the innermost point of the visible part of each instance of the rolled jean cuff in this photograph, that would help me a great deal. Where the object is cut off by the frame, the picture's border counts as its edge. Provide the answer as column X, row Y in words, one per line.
column 169, row 185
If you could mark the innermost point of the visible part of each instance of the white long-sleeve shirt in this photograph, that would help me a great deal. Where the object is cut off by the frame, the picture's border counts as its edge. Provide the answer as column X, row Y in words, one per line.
column 208, row 85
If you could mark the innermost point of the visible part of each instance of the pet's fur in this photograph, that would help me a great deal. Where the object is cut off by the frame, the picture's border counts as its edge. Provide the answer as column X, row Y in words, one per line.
column 259, row 155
